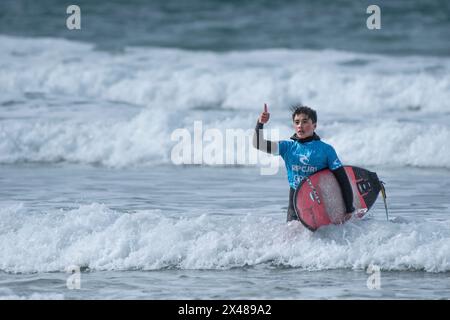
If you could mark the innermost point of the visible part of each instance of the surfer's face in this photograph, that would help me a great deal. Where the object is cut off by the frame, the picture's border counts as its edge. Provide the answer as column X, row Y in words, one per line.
column 304, row 127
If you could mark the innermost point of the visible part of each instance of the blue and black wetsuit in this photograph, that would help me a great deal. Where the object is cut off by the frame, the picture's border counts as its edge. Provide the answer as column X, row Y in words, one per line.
column 302, row 158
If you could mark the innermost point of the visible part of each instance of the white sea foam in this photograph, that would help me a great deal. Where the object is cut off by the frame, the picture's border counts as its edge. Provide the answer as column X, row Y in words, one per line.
column 65, row 101
column 241, row 80
column 111, row 143
column 391, row 143
column 99, row 238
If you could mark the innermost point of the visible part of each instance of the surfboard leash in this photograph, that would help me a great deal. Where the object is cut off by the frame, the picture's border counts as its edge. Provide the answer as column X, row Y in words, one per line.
column 383, row 193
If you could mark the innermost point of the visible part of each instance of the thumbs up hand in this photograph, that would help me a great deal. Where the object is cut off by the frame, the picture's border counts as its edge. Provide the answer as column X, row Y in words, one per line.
column 265, row 115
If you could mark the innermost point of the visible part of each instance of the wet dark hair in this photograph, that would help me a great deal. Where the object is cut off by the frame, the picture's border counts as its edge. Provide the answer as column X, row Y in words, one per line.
column 301, row 109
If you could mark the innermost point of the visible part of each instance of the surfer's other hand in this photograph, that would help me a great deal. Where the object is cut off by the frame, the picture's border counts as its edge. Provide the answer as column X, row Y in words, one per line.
column 265, row 115
column 351, row 210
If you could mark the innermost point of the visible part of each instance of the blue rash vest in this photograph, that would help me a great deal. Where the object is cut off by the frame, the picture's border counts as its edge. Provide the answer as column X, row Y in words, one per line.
column 304, row 159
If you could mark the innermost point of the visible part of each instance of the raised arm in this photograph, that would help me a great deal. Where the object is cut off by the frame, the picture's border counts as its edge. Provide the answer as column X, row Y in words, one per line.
column 258, row 136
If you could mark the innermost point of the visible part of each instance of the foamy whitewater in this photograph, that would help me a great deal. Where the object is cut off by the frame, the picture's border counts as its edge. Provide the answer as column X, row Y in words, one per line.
column 99, row 238
column 91, row 129
column 203, row 232
column 121, row 109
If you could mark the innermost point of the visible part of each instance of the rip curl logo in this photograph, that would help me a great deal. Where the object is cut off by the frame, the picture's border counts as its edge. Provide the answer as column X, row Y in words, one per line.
column 304, row 159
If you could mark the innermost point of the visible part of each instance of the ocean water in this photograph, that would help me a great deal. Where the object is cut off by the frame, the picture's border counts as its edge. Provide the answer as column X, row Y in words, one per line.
column 209, row 233
column 90, row 126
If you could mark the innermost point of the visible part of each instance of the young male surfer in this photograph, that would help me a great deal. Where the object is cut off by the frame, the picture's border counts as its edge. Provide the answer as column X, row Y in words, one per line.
column 304, row 154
